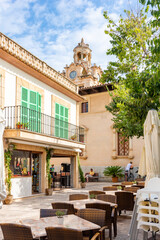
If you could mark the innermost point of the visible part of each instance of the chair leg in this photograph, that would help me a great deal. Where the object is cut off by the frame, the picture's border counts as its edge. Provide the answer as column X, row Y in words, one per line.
column 119, row 212
column 115, row 228
column 110, row 232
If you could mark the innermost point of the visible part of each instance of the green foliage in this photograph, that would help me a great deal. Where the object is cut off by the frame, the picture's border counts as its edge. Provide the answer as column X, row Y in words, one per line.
column 48, row 157
column 8, row 157
column 92, row 196
column 59, row 213
column 132, row 74
column 114, row 171
column 81, row 174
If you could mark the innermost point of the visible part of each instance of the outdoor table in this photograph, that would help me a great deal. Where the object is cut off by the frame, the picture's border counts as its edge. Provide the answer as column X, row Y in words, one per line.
column 114, row 191
column 69, row 221
column 79, row 204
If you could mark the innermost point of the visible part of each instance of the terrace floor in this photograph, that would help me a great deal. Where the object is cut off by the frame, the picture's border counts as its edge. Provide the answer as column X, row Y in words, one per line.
column 27, row 208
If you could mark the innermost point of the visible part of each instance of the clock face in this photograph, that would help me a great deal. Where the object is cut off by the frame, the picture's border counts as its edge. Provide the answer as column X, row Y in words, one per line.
column 73, row 74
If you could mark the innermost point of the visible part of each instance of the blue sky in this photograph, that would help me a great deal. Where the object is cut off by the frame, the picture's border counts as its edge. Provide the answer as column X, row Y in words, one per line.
column 50, row 29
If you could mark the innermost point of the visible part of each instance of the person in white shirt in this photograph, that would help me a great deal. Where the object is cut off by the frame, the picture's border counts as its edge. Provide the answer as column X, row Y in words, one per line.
column 127, row 169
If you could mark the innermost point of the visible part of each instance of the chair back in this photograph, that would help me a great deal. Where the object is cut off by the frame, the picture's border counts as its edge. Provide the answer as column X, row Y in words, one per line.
column 60, row 233
column 102, row 206
column 110, row 188
column 63, row 205
column 77, row 197
column 95, row 193
column 126, row 183
column 51, row 212
column 16, row 232
column 107, row 198
column 93, row 215
column 131, row 189
column 125, row 200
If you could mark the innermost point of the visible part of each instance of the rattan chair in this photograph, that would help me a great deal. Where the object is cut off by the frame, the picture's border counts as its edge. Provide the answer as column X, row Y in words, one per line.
column 56, row 233
column 125, row 183
column 108, row 210
column 125, row 201
column 110, row 188
column 112, row 199
column 95, row 193
column 63, row 205
column 16, row 232
column 77, row 197
column 97, row 216
column 131, row 189
column 51, row 212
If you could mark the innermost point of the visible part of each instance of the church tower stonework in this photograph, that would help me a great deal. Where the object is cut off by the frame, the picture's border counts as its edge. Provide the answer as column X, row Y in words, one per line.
column 81, row 71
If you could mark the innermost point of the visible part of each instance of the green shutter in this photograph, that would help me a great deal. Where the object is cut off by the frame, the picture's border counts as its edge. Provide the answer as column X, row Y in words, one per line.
column 39, row 112
column 61, row 121
column 24, row 104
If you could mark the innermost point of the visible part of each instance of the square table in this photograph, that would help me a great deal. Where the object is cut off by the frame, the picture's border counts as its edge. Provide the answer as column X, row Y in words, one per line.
column 69, row 221
column 79, row 204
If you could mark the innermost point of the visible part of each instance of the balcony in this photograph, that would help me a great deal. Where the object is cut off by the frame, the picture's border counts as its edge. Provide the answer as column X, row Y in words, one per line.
column 22, row 118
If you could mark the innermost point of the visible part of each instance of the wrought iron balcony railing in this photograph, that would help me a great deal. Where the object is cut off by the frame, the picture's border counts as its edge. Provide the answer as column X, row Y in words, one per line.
column 19, row 117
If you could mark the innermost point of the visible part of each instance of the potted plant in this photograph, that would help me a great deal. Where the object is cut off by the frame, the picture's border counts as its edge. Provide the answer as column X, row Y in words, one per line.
column 49, row 190
column 60, row 215
column 19, row 125
column 25, row 125
column 74, row 137
column 81, row 175
column 114, row 171
column 119, row 188
column 8, row 156
column 92, row 196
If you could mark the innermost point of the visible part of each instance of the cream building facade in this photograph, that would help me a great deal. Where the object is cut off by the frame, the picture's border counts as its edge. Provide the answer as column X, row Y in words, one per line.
column 104, row 147
column 41, row 111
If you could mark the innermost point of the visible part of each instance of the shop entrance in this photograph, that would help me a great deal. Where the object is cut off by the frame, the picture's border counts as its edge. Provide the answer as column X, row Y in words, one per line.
column 36, row 169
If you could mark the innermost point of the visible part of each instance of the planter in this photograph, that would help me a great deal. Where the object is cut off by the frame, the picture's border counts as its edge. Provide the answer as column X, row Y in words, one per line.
column 19, row 126
column 8, row 200
column 49, row 191
column 83, row 184
column 60, row 220
column 114, row 179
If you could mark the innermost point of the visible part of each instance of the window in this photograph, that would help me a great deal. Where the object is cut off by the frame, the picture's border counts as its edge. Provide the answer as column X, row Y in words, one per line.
column 85, row 107
column 123, row 145
column 61, row 121
column 21, row 163
column 31, row 109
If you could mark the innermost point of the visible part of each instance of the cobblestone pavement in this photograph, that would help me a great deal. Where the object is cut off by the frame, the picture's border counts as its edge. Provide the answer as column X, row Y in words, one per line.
column 28, row 208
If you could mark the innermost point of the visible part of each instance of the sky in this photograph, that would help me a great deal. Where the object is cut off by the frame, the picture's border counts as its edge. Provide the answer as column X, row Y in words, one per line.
column 50, row 29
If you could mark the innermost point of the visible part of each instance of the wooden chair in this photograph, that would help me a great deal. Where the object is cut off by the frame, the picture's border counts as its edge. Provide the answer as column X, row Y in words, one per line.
column 131, row 189
column 77, row 197
column 16, row 232
column 95, row 193
column 108, row 210
column 63, row 205
column 57, row 233
column 51, row 212
column 96, row 216
column 125, row 201
column 110, row 188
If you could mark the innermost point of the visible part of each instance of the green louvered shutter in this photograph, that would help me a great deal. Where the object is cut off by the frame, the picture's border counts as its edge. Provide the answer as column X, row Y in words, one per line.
column 33, row 118
column 61, row 121
column 39, row 112
column 24, row 104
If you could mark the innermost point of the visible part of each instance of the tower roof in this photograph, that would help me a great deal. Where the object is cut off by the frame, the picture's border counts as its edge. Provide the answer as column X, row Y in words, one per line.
column 82, row 44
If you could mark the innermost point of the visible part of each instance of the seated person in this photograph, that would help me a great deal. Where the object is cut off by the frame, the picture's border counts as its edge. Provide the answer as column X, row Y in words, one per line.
column 90, row 175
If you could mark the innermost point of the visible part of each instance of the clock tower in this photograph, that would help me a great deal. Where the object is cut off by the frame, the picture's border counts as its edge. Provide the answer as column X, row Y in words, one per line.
column 81, row 70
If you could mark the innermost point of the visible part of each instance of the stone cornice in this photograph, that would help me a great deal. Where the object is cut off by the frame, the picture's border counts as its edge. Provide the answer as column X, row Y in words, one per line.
column 12, row 48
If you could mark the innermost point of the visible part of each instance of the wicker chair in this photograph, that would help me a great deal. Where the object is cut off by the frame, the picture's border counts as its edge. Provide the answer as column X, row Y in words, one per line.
column 63, row 205
column 125, row 201
column 96, row 216
column 77, row 197
column 131, row 189
column 126, row 183
column 108, row 210
column 96, row 193
column 16, row 232
column 110, row 188
column 51, row 212
column 112, row 199
column 55, row 233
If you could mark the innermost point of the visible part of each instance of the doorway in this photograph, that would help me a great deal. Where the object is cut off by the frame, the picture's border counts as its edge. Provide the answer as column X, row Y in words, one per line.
column 36, row 170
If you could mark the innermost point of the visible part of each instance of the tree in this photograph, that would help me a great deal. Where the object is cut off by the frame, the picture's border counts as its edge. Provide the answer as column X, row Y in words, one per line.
column 136, row 90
